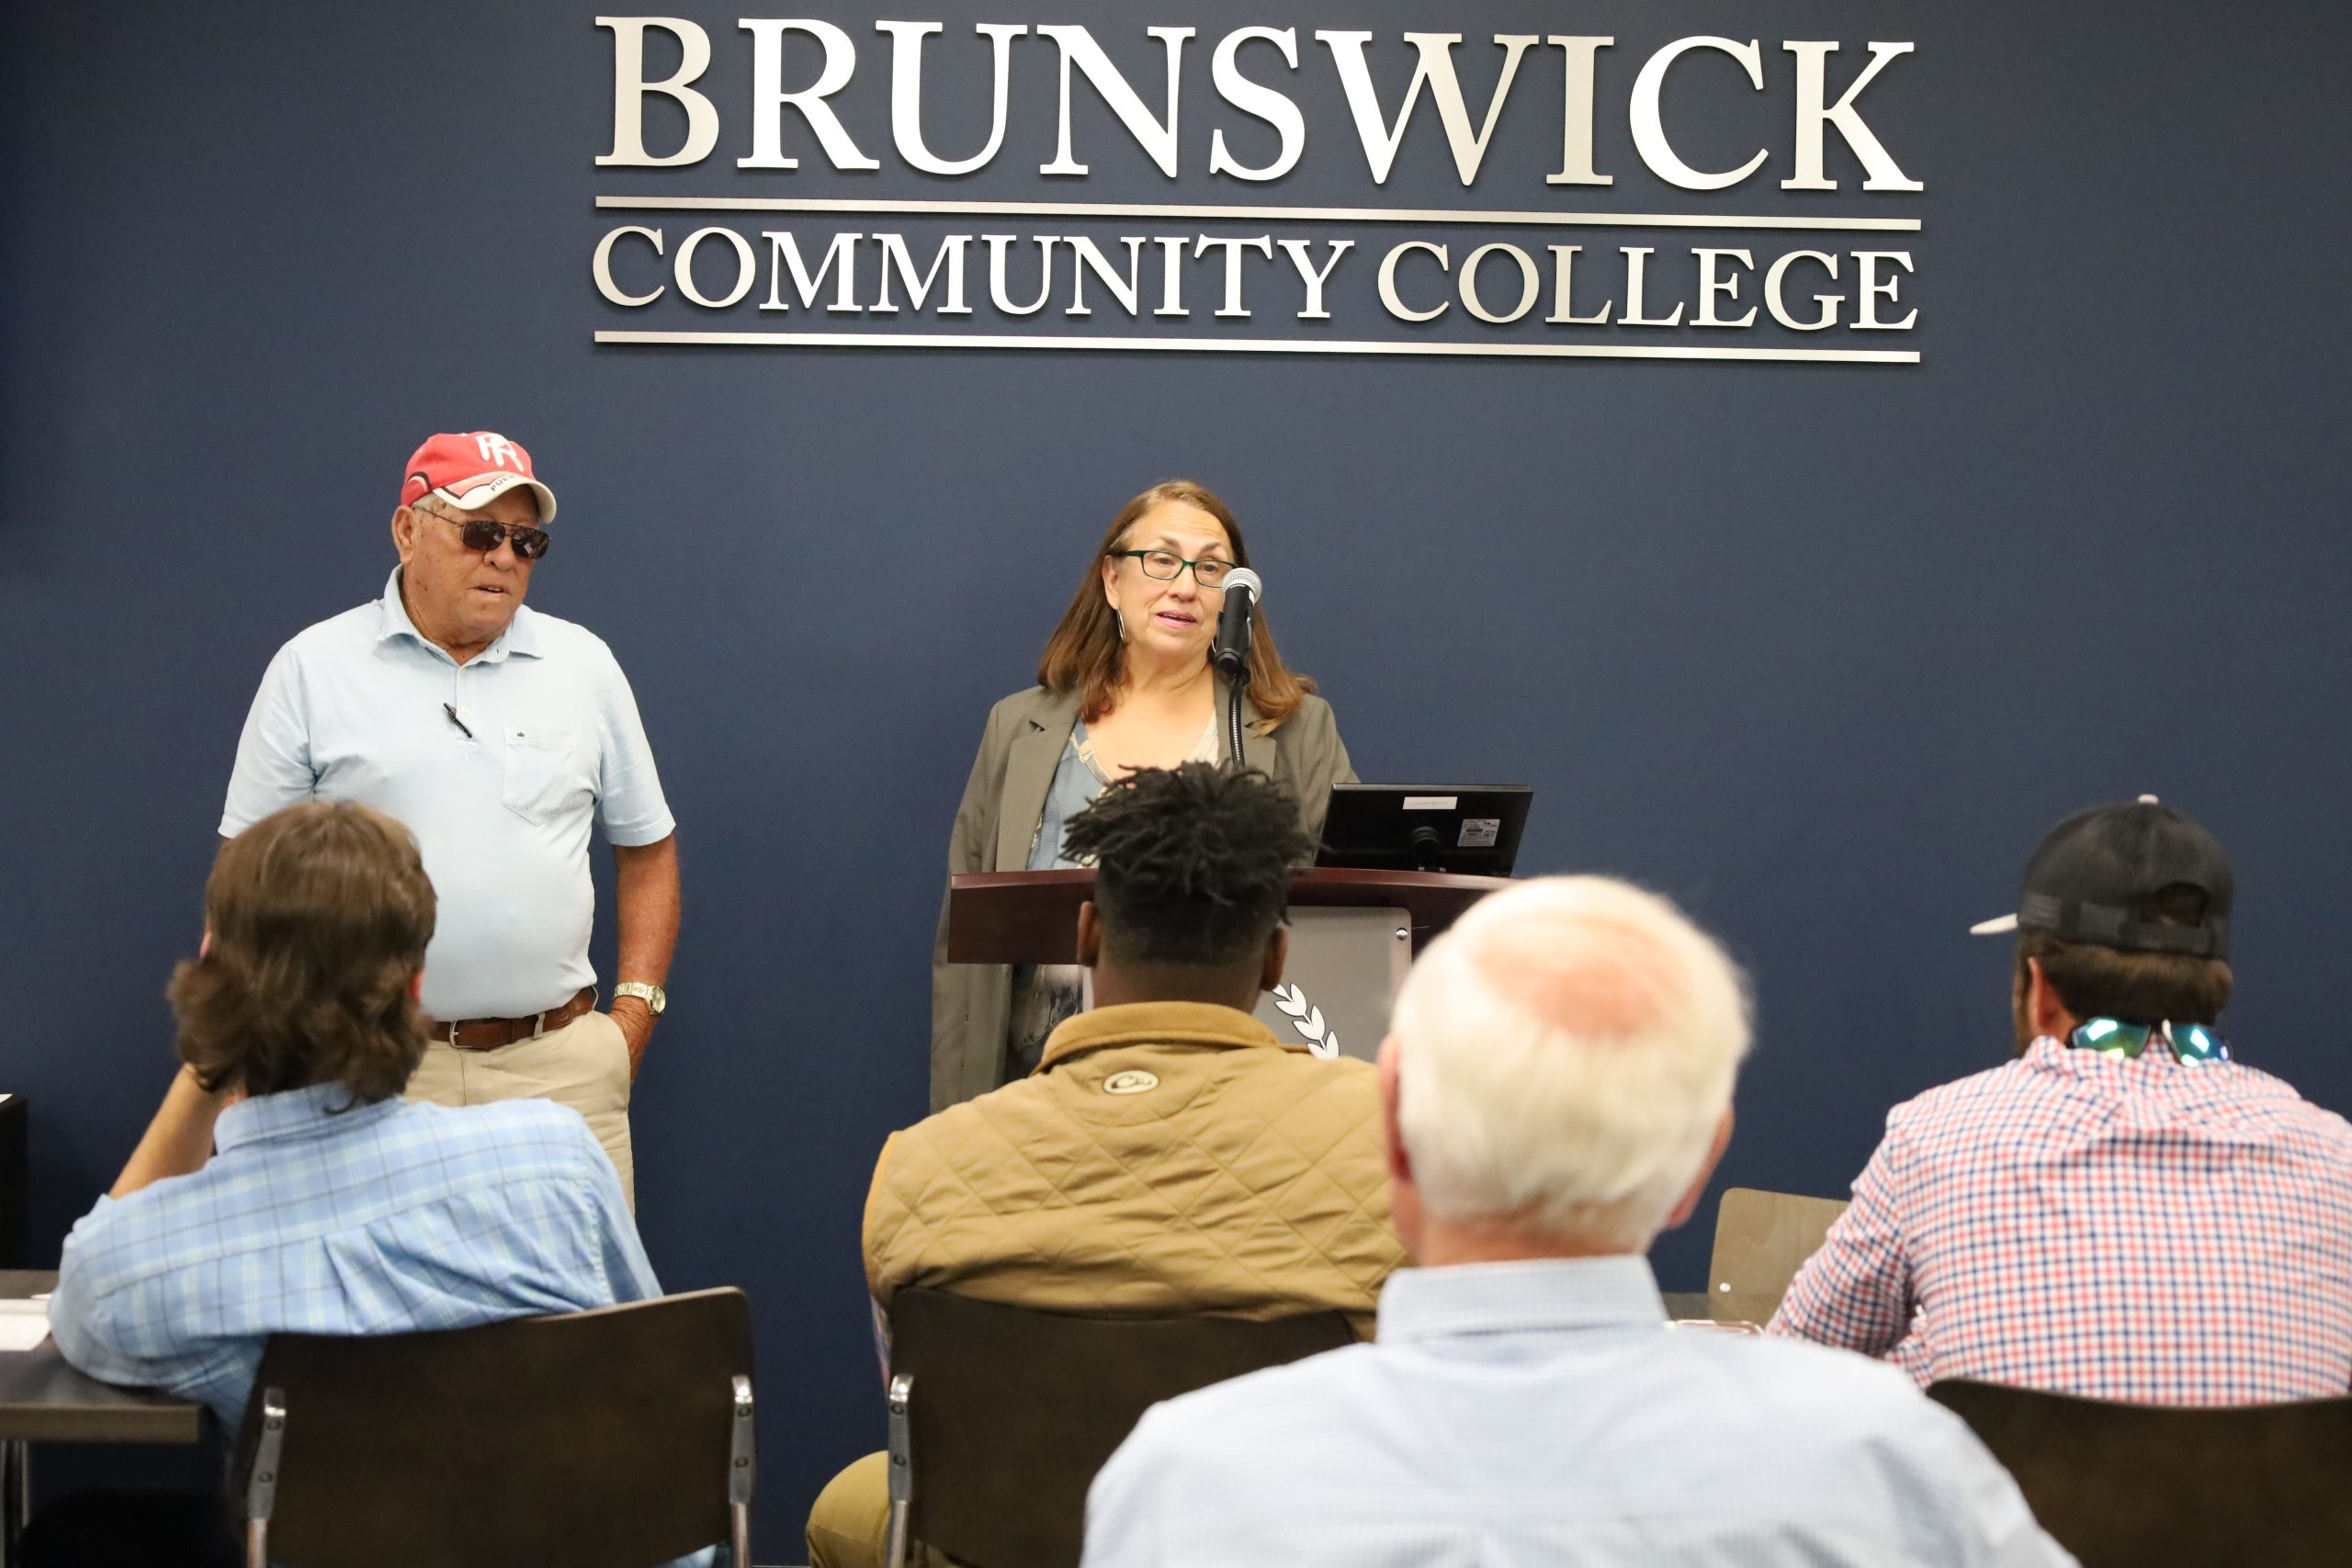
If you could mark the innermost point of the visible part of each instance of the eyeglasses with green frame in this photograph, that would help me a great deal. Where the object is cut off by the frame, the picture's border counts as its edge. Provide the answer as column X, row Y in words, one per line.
column 1167, row 566
column 2192, row 1045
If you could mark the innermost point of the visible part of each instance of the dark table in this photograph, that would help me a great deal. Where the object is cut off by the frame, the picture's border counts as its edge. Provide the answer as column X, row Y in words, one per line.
column 42, row 1400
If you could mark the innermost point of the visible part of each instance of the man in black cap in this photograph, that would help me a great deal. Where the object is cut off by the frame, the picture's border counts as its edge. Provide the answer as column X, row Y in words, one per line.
column 2124, row 1211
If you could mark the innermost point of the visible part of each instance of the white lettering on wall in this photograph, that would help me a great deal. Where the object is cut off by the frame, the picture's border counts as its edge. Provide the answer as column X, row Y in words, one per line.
column 1636, row 267
column 896, row 259
column 1871, row 290
column 1255, row 130
column 1264, row 245
column 906, row 94
column 1813, row 68
column 1712, row 283
column 747, row 267
column 1649, row 130
column 769, row 99
column 1394, row 302
column 1577, row 111
column 1079, row 52
column 1126, row 286
column 783, row 251
column 999, row 245
column 1563, row 289
column 629, row 87
column 1171, row 277
column 601, row 267
column 1119, row 270
column 1531, row 284
column 1314, row 277
column 1435, row 70
column 1155, row 138
column 1261, row 103
column 1828, row 302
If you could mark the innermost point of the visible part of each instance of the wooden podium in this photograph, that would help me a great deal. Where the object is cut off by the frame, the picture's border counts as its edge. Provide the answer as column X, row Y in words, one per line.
column 1352, row 932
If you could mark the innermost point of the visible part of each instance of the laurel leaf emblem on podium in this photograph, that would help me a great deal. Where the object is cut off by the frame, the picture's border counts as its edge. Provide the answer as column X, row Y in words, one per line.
column 1306, row 1019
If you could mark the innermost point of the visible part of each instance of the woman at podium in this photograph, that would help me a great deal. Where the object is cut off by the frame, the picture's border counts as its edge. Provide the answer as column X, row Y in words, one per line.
column 1125, row 683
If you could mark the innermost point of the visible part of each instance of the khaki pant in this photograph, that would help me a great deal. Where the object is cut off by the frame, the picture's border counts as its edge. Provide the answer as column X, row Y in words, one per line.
column 584, row 1065
column 849, row 1525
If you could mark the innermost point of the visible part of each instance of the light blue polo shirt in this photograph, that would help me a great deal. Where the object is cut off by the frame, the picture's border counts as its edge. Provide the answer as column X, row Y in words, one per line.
column 351, row 709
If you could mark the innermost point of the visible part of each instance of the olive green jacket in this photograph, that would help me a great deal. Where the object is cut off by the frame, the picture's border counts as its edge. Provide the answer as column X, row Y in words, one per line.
column 971, row 1004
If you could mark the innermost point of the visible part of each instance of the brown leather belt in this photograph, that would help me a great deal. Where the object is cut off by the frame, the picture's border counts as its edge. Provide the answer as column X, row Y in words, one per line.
column 490, row 1033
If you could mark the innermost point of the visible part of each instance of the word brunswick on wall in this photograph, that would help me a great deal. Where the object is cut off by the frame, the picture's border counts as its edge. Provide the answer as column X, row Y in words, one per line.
column 1769, row 220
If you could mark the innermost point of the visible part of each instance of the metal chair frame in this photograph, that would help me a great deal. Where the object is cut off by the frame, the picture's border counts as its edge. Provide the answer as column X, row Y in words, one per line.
column 902, row 1470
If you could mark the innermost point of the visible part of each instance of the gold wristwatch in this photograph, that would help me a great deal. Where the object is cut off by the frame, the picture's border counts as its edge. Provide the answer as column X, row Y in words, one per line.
column 653, row 997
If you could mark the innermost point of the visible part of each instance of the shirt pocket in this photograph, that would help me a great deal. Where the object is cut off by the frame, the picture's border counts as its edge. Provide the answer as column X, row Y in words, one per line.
column 543, row 775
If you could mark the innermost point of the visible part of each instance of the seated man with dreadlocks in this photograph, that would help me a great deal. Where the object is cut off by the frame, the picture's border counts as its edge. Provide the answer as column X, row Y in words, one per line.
column 1084, row 1187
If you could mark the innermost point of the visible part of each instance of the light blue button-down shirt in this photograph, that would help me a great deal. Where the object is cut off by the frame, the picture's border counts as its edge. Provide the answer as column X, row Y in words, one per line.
column 1543, row 1412
column 352, row 709
column 380, row 1220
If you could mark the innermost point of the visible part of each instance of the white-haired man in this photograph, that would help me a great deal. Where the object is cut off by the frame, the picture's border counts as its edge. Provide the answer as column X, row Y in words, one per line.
column 1558, row 1085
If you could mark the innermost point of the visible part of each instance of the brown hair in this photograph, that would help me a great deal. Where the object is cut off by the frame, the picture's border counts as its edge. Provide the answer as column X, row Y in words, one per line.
column 1085, row 653
column 2138, row 987
column 318, row 916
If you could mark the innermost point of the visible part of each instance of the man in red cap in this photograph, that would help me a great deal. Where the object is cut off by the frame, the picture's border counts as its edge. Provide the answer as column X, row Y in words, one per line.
column 502, row 737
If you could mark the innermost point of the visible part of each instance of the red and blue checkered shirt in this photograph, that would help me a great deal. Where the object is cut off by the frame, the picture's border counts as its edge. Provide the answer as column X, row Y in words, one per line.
column 2129, row 1229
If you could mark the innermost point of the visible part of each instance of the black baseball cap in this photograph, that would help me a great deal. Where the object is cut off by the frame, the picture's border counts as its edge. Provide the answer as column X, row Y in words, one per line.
column 2094, row 874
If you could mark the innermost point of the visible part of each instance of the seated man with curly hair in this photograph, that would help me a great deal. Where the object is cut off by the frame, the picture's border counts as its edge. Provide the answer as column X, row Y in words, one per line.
column 1170, row 1154
column 284, row 1186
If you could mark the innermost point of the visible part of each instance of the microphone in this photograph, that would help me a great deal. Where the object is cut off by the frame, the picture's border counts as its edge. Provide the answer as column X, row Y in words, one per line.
column 1230, row 654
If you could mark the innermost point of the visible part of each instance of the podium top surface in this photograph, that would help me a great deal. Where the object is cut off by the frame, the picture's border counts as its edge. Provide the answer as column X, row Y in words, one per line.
column 1031, row 916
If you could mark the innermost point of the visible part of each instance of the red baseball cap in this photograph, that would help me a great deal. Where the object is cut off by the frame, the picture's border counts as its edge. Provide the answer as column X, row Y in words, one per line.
column 468, row 470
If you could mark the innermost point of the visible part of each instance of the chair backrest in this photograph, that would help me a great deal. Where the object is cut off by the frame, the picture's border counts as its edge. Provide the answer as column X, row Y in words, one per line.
column 1763, row 1239
column 596, row 1440
column 1014, row 1410
column 2180, row 1485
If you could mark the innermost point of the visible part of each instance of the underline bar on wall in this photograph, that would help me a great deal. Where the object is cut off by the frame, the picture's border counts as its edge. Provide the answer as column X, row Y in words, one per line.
column 1247, row 214
column 1240, row 345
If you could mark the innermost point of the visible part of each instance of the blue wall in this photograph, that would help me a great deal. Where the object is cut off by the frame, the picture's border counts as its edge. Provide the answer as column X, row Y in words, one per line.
column 1818, row 650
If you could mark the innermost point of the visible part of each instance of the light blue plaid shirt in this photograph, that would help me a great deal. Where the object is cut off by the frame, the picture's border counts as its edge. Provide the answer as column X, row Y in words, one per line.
column 384, row 1219
column 1544, row 1414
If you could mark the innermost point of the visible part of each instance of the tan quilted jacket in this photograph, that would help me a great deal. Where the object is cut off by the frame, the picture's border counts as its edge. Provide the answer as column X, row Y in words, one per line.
column 1164, row 1157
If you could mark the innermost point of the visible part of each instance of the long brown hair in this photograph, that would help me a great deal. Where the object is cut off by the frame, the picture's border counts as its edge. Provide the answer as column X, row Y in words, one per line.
column 1085, row 654
column 319, row 916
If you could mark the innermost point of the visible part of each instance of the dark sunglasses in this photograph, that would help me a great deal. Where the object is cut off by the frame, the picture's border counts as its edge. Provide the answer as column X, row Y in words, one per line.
column 2192, row 1045
column 480, row 533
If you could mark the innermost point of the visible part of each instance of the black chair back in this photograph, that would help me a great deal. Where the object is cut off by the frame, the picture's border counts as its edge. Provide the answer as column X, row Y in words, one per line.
column 1011, row 1411
column 614, row 1438
column 2179, row 1486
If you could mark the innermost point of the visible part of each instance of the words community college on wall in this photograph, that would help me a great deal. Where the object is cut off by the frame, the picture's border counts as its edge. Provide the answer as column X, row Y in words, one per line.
column 1735, row 273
